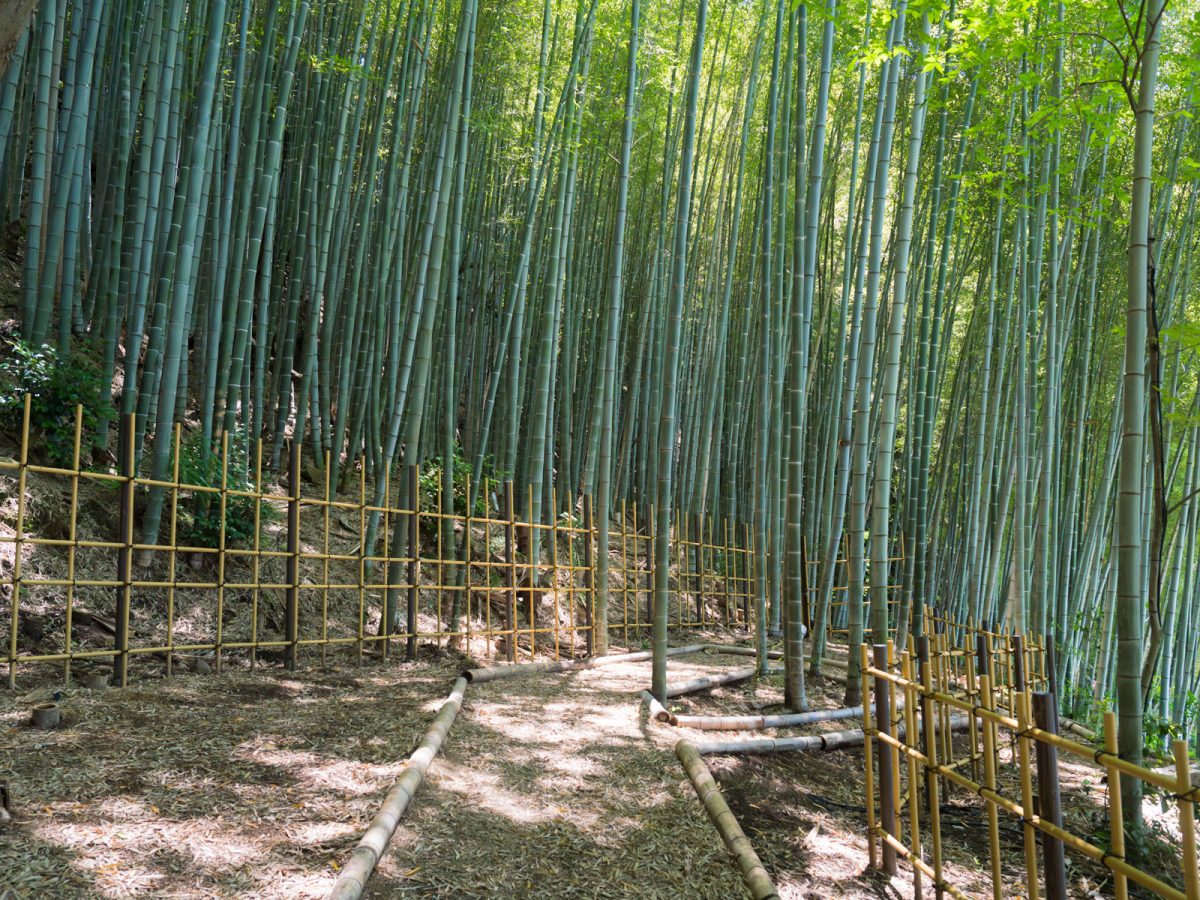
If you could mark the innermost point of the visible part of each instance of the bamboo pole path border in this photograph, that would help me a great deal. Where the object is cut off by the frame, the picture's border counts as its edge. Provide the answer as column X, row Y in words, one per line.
column 353, row 878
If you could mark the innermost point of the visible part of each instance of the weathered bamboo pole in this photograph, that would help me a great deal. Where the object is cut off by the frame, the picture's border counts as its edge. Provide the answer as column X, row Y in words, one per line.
column 481, row 675
column 353, row 878
column 710, row 681
column 741, row 651
column 834, row 740
column 757, row 723
column 756, row 877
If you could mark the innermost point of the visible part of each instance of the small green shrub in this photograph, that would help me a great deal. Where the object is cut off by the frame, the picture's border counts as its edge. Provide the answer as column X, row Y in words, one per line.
column 56, row 385
column 431, row 479
column 199, row 523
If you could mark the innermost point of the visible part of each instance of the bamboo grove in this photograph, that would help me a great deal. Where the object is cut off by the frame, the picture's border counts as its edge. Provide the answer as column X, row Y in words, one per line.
column 861, row 274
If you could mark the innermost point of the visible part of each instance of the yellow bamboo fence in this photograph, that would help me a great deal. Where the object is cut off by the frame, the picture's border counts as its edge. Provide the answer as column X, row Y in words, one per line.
column 284, row 572
column 912, row 764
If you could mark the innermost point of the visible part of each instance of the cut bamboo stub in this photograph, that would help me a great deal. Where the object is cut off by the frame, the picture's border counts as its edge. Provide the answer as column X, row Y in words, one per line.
column 481, row 675
column 353, row 878
column 753, row 872
column 46, row 715
column 834, row 740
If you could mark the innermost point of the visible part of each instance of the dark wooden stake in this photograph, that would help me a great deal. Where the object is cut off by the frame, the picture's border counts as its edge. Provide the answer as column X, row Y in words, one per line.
column 981, row 656
column 1045, row 716
column 883, row 721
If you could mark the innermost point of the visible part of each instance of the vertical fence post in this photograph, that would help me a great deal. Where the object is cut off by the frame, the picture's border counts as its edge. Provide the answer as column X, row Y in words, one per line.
column 864, row 658
column 1051, row 668
column 912, row 743
column 464, row 605
column 1020, row 702
column 1116, row 817
column 698, row 581
column 510, row 557
column 630, row 570
column 932, row 785
column 125, row 554
column 748, row 563
column 1045, row 715
column 222, row 557
column 293, row 558
column 624, row 571
column 1018, row 657
column 414, row 552
column 726, row 562
column 883, row 723
column 650, row 529
column 18, row 540
column 805, row 600
column 982, row 666
column 589, row 579
column 1187, row 818
column 989, row 782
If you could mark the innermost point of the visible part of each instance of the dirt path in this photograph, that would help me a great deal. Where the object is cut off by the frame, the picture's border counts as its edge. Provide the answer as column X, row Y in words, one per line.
column 556, row 786
column 259, row 784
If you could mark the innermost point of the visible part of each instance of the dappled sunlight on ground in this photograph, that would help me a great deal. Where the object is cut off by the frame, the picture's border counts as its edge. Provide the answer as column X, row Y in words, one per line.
column 248, row 784
column 548, row 785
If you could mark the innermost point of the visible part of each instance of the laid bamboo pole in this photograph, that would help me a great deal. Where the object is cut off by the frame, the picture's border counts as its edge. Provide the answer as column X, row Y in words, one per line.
column 833, row 740
column 657, row 710
column 481, row 675
column 741, row 651
column 757, row 723
column 709, row 681
column 353, row 878
column 755, row 876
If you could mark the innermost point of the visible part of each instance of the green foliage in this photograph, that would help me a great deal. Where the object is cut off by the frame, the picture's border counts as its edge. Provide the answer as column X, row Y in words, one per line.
column 431, row 480
column 56, row 385
column 200, row 519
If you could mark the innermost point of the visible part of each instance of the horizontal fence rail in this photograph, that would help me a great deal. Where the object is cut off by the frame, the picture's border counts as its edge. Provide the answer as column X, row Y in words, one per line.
column 263, row 570
column 260, row 572
column 1002, row 685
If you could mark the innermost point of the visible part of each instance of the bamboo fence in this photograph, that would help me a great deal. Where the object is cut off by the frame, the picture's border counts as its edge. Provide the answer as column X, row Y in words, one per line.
column 996, row 683
column 299, row 579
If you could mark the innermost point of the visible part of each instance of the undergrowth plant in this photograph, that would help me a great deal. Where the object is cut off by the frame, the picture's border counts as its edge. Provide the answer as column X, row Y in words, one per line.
column 56, row 384
column 200, row 517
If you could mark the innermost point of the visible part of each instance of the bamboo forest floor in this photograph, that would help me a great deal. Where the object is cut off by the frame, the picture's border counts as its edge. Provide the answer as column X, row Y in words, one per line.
column 259, row 784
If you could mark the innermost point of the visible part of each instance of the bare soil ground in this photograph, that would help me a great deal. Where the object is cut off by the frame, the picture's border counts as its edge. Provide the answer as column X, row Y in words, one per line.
column 260, row 783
